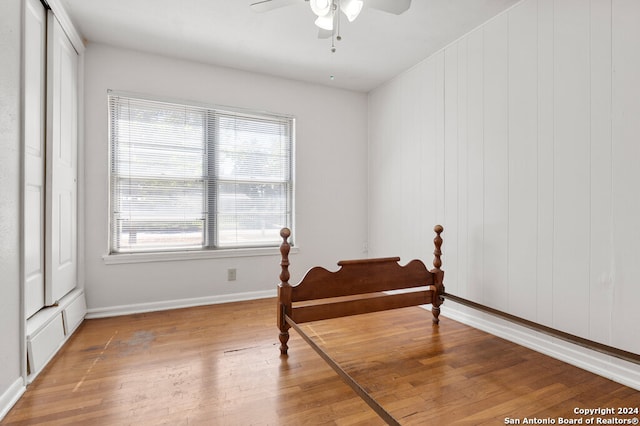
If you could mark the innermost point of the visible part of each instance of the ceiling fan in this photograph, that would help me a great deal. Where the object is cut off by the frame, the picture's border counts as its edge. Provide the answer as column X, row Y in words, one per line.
column 328, row 11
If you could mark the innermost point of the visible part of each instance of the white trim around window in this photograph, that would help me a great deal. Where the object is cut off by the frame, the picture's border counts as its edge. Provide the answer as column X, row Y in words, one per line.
column 117, row 259
column 191, row 181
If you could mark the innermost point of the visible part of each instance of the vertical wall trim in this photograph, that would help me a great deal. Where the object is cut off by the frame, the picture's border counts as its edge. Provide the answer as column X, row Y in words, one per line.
column 553, row 148
column 482, row 139
column 466, row 165
column 443, row 160
column 457, row 165
column 612, row 257
column 589, row 159
column 436, row 207
column 507, row 118
column 538, row 103
column 541, row 229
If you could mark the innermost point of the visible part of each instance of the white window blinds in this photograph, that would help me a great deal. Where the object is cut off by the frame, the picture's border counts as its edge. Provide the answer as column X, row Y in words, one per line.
column 187, row 177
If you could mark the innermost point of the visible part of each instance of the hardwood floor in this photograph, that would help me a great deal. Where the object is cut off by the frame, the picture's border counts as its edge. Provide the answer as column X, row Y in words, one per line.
column 220, row 365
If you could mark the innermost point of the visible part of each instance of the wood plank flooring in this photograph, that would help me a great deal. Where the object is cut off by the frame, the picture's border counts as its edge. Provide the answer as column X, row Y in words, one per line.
column 220, row 365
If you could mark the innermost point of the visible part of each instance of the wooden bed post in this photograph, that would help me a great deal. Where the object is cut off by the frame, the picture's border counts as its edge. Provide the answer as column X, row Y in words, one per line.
column 284, row 292
column 438, row 295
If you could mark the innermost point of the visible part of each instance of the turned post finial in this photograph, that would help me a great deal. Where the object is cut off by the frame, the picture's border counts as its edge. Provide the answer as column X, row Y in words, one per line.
column 285, row 247
column 437, row 242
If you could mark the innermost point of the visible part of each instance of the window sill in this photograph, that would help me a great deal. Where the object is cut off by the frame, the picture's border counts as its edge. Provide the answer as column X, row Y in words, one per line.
column 115, row 259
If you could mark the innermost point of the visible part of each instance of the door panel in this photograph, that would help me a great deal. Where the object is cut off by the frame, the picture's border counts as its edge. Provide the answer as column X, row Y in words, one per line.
column 34, row 151
column 61, row 164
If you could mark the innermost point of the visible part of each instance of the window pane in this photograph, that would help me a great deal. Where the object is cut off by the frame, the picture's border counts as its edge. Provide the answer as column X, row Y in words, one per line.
column 252, row 149
column 140, row 235
column 157, row 176
column 159, row 213
column 251, row 213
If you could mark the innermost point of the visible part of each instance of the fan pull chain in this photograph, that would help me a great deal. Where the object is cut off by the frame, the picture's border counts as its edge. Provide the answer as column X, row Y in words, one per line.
column 336, row 31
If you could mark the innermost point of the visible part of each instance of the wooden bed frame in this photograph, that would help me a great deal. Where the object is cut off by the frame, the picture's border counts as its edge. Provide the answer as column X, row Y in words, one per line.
column 358, row 287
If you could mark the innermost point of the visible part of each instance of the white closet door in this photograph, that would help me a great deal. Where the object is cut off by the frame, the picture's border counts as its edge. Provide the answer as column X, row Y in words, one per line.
column 61, row 164
column 34, row 154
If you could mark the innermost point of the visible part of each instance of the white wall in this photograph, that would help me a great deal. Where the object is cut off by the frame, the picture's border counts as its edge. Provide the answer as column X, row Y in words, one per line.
column 331, row 199
column 521, row 138
column 11, row 323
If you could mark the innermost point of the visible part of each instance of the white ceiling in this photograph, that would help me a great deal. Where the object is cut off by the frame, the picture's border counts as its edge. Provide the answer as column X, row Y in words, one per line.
column 283, row 42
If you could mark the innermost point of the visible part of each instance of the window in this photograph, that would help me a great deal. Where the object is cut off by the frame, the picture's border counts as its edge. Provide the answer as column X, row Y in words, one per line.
column 187, row 177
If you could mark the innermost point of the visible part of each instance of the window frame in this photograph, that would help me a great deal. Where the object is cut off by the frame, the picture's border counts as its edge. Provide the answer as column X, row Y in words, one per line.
column 210, row 237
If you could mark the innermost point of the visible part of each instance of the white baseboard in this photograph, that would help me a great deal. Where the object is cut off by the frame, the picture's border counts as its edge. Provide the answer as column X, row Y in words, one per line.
column 11, row 396
column 137, row 308
column 46, row 318
column 613, row 368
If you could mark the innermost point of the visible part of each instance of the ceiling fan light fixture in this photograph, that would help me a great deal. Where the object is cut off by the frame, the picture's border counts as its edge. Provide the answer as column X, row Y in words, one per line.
column 351, row 8
column 321, row 7
column 325, row 22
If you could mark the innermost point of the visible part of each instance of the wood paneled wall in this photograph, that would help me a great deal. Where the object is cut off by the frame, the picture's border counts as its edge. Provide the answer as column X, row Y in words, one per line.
column 521, row 138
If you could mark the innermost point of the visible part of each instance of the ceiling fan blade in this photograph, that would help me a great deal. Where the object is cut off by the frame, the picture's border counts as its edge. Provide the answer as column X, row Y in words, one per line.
column 392, row 6
column 325, row 33
column 267, row 5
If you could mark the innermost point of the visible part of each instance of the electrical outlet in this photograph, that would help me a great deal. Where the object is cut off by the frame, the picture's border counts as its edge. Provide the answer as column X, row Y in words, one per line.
column 231, row 274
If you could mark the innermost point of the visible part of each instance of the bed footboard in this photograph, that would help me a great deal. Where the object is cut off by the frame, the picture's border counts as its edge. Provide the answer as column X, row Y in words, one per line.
column 358, row 287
